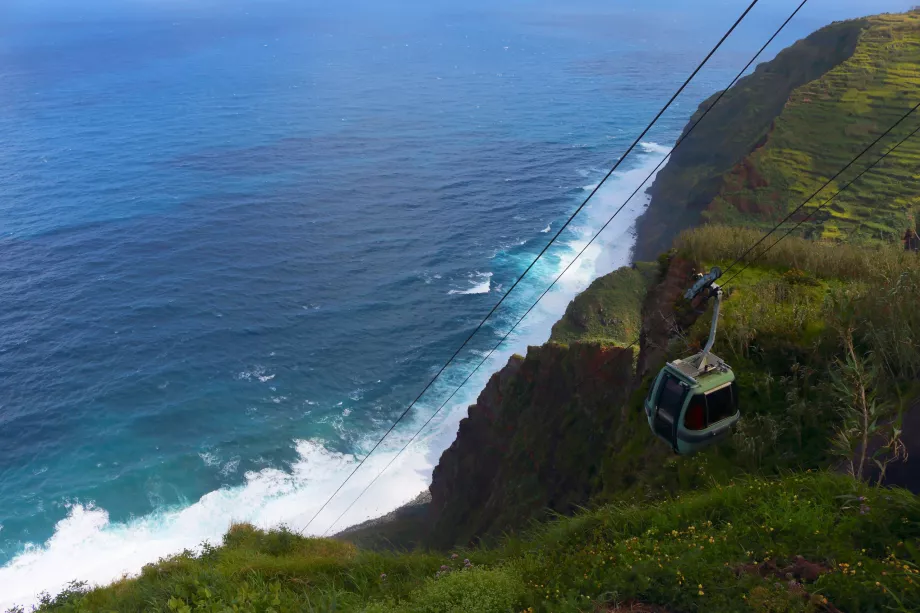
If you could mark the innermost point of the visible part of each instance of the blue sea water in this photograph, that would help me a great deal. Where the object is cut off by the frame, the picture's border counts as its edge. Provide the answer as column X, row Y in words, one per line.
column 237, row 238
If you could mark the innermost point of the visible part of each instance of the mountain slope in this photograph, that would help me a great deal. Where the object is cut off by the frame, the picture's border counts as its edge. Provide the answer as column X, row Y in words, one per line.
column 791, row 125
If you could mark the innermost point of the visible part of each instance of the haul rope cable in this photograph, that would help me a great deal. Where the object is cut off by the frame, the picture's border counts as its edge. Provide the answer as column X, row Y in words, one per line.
column 824, row 204
column 813, row 211
column 542, row 252
column 828, row 182
column 680, row 140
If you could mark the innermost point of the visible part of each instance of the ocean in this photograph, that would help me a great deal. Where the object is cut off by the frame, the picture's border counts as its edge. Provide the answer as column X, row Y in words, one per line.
column 238, row 237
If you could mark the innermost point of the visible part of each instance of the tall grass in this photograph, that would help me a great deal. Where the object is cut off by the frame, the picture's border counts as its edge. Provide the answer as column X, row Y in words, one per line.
column 881, row 289
column 719, row 244
column 888, row 321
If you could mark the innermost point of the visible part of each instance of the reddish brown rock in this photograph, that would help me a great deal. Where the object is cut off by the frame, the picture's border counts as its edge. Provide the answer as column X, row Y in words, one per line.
column 532, row 443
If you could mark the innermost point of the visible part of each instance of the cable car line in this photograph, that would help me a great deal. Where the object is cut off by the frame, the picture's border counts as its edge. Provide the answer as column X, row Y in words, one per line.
column 800, row 222
column 540, row 255
column 680, row 140
column 693, row 402
column 824, row 204
column 828, row 182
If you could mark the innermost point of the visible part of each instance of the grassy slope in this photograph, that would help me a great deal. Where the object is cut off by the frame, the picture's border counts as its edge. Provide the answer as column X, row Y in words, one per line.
column 780, row 330
column 733, row 129
column 610, row 310
column 823, row 126
column 728, row 548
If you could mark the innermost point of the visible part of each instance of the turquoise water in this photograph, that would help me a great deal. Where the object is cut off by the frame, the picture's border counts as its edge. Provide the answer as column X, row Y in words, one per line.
column 237, row 238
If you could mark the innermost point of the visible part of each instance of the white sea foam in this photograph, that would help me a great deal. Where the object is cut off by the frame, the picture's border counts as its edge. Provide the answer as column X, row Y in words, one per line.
column 88, row 546
column 482, row 284
column 548, row 227
column 257, row 372
column 209, row 458
column 230, row 467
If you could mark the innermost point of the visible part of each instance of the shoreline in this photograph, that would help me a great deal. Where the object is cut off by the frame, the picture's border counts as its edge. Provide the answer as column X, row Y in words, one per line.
column 273, row 497
column 618, row 257
column 387, row 530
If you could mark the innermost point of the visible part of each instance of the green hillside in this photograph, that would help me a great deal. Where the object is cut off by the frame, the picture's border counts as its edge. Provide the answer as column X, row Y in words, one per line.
column 609, row 311
column 812, row 542
column 783, row 131
column 823, row 126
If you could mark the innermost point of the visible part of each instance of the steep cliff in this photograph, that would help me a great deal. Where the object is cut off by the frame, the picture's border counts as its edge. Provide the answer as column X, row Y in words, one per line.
column 563, row 426
column 534, row 441
column 782, row 131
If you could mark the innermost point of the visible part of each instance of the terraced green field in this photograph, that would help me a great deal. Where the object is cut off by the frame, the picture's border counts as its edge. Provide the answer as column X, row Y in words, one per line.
column 827, row 122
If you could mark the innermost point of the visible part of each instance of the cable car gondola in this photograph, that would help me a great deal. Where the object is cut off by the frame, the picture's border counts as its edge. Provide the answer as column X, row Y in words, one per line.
column 693, row 402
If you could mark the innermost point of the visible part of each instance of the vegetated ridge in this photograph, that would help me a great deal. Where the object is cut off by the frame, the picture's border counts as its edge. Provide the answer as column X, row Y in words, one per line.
column 791, row 125
column 794, row 512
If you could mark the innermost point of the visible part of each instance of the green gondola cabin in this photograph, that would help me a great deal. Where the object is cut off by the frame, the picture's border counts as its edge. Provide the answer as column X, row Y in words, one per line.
column 693, row 402
column 690, row 410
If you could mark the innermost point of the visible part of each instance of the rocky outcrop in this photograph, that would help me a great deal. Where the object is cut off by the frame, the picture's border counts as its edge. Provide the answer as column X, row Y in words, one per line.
column 561, row 426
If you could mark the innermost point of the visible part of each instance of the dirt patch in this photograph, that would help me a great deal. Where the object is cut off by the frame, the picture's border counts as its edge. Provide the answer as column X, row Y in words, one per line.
column 791, row 577
column 633, row 606
column 800, row 569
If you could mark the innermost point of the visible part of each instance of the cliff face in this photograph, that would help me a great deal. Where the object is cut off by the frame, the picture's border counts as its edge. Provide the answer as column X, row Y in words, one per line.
column 564, row 424
column 534, row 441
column 741, row 123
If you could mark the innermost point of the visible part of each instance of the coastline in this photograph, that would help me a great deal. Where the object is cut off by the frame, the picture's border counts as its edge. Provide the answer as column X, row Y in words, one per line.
column 608, row 253
column 406, row 525
column 274, row 497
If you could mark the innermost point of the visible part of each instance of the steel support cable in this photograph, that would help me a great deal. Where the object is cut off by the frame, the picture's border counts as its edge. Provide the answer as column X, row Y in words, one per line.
column 824, row 204
column 820, row 189
column 537, row 258
column 682, row 138
column 631, row 345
